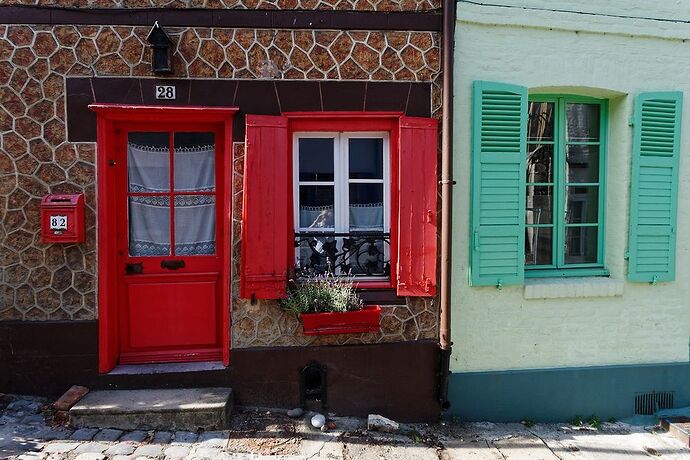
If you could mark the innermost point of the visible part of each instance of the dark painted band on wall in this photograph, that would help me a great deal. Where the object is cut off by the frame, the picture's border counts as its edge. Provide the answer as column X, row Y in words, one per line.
column 264, row 97
column 233, row 18
column 557, row 395
column 397, row 380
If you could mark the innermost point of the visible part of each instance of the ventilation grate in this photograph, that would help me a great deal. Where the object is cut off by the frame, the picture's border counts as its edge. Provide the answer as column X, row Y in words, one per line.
column 649, row 403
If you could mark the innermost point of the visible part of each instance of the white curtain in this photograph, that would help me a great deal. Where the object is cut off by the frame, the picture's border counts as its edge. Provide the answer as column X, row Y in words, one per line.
column 148, row 168
column 366, row 217
column 316, row 216
column 149, row 216
column 363, row 217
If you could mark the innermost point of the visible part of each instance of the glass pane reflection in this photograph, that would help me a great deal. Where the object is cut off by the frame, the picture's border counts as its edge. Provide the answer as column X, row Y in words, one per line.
column 581, row 245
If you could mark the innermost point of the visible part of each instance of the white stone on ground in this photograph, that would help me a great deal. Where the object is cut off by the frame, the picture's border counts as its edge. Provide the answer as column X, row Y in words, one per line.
column 318, row 421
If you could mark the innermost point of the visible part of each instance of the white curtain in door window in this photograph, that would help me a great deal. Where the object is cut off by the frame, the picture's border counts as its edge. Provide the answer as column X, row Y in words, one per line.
column 149, row 225
column 148, row 168
column 195, row 168
column 195, row 225
column 195, row 215
column 366, row 217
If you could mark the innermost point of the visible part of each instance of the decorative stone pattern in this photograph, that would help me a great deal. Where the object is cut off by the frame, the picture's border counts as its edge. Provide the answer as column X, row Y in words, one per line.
column 358, row 5
column 40, row 282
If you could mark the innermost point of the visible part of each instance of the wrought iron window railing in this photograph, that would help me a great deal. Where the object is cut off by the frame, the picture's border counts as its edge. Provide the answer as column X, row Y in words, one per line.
column 354, row 254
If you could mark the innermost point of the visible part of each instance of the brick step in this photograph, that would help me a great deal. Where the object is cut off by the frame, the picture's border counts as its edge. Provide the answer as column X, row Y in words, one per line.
column 178, row 409
column 679, row 427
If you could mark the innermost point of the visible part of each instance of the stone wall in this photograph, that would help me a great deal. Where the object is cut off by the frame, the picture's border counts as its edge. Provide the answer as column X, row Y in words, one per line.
column 55, row 282
column 359, row 5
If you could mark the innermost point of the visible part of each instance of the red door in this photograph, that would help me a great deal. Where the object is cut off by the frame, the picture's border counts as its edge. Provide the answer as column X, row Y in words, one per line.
column 169, row 242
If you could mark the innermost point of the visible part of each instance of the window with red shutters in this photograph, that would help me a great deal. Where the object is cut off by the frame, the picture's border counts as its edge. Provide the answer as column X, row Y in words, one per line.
column 350, row 194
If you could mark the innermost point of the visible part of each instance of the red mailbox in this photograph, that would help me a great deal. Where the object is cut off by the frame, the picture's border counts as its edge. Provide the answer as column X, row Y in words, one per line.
column 62, row 218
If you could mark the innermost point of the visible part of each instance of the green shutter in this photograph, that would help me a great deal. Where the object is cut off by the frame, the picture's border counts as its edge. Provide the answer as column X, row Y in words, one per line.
column 499, row 130
column 654, row 187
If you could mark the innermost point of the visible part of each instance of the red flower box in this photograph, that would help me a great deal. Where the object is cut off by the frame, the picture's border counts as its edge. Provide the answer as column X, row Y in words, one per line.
column 347, row 322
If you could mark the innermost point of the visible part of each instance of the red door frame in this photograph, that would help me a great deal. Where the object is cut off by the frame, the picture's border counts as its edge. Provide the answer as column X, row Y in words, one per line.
column 108, row 116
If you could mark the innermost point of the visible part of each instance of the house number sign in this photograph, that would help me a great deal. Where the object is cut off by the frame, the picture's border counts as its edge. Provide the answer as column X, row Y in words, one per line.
column 165, row 92
column 58, row 222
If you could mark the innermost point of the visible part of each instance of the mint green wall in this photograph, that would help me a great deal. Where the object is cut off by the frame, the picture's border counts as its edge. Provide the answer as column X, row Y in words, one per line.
column 602, row 321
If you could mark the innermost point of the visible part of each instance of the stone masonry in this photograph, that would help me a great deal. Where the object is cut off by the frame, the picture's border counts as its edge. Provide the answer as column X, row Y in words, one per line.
column 58, row 282
column 360, row 5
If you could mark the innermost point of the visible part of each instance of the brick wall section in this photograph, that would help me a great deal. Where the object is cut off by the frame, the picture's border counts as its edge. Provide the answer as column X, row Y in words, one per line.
column 358, row 5
column 54, row 282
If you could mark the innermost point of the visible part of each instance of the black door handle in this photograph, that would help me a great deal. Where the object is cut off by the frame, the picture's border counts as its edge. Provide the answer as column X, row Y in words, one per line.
column 172, row 264
column 134, row 269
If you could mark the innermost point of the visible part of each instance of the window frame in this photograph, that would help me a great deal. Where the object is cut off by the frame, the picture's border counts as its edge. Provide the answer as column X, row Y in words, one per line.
column 352, row 123
column 559, row 267
column 340, row 183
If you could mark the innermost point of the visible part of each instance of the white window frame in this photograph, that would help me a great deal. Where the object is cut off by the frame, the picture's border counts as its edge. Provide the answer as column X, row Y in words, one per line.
column 341, row 183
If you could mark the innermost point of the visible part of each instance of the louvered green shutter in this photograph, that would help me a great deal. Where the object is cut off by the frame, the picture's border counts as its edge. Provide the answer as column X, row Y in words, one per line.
column 499, row 130
column 654, row 187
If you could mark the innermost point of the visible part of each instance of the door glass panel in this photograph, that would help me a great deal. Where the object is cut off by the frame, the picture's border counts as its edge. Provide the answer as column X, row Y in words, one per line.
column 366, row 207
column 148, row 161
column 316, row 209
column 539, row 163
column 582, row 122
column 581, row 245
column 195, row 225
column 316, row 159
column 149, row 225
column 366, row 158
column 195, row 162
column 582, row 163
column 538, row 246
column 540, row 121
column 582, row 205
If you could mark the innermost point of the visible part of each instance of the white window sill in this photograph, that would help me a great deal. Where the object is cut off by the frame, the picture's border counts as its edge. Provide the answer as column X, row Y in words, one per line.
column 557, row 288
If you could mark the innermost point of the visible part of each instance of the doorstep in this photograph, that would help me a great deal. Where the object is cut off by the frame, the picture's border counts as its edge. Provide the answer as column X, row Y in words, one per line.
column 187, row 409
column 166, row 368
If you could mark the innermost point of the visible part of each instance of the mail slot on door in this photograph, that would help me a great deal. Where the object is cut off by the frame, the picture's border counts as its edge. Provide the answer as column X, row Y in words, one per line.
column 62, row 218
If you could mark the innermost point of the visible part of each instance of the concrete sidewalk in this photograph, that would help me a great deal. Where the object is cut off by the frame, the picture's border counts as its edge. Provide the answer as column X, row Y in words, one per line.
column 261, row 434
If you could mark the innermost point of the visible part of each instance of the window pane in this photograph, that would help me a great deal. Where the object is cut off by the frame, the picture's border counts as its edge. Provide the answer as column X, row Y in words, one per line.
column 366, row 158
column 195, row 162
column 539, row 163
column 582, row 205
column 582, row 163
column 582, row 122
column 540, row 121
column 581, row 245
column 538, row 246
column 148, row 162
column 149, row 225
column 539, row 209
column 195, row 224
column 316, row 255
column 365, row 256
column 366, row 207
column 315, row 159
column 316, row 206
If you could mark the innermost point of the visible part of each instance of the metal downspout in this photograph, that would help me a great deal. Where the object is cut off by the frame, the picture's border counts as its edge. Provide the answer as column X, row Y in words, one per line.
column 446, row 197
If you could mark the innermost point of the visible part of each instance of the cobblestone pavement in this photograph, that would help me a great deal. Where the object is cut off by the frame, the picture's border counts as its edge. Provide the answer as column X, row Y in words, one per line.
column 28, row 431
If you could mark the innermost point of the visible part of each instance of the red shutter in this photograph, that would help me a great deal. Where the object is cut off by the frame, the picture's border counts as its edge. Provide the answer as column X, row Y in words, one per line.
column 418, row 215
column 265, row 233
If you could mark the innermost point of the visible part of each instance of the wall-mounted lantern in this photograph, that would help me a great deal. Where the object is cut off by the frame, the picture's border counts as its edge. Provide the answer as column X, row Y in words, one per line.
column 161, row 61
